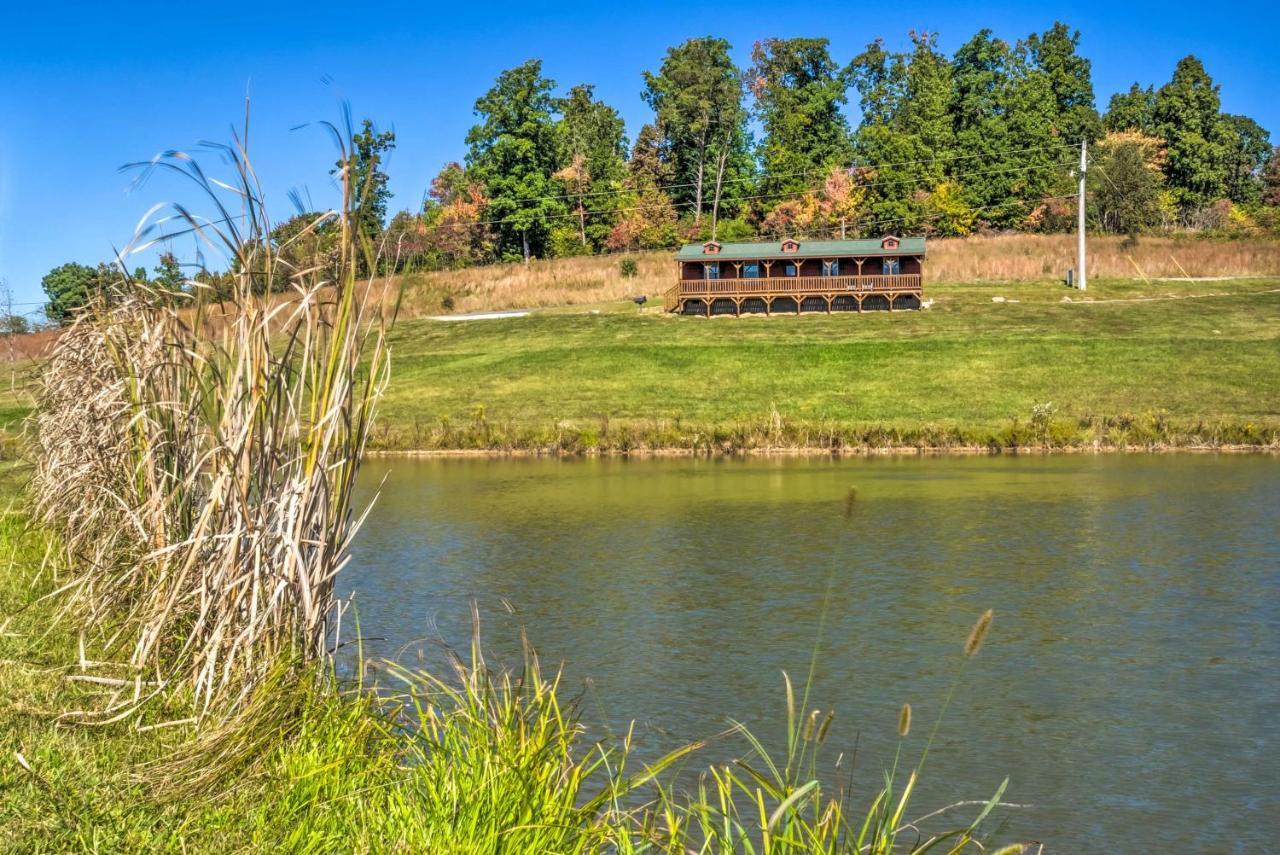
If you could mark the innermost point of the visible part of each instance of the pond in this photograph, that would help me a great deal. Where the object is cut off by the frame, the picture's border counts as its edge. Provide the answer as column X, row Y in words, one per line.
column 1129, row 689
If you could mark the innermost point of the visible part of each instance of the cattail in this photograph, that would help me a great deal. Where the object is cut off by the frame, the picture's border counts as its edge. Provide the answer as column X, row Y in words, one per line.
column 904, row 721
column 850, row 499
column 978, row 633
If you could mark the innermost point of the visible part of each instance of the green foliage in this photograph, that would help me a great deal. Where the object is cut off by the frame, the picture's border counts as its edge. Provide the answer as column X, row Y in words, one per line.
column 948, row 213
column 1131, row 111
column 697, row 99
column 1070, row 79
column 365, row 167
column 1248, row 147
column 169, row 276
column 1271, row 179
column 628, row 268
column 799, row 92
column 593, row 154
column 906, row 130
column 1004, row 112
column 71, row 286
column 513, row 152
column 1186, row 116
column 1124, row 184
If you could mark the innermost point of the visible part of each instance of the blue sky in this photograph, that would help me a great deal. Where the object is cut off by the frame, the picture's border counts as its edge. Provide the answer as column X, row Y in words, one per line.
column 86, row 88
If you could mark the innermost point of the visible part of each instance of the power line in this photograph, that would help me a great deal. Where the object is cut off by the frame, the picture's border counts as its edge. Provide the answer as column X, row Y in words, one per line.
column 751, row 198
column 940, row 159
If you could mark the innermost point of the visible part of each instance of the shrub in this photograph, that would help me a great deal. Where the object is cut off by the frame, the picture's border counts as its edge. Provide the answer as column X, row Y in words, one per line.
column 628, row 268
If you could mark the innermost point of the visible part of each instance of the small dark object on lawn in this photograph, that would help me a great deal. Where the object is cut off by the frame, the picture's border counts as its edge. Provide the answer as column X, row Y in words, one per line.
column 640, row 300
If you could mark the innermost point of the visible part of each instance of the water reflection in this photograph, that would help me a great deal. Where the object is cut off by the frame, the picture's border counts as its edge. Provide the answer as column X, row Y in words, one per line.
column 1129, row 689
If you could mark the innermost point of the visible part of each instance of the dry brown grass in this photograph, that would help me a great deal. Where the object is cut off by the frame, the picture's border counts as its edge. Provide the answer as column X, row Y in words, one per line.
column 1006, row 258
column 539, row 284
column 996, row 258
column 199, row 474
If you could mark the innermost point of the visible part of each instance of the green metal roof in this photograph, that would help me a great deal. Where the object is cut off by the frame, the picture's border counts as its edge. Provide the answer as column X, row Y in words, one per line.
column 808, row 249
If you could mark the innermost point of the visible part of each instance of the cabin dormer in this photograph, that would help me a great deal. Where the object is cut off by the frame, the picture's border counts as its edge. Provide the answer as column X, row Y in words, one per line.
column 890, row 242
column 791, row 245
column 711, row 248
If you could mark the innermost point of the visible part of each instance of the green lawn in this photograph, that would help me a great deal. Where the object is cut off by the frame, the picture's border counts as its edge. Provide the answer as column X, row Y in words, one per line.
column 1187, row 352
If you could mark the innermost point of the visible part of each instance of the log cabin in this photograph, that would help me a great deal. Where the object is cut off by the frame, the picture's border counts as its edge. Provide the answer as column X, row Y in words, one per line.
column 793, row 276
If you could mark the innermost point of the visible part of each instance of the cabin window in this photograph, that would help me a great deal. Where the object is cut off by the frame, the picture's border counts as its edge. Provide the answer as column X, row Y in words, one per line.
column 831, row 268
column 711, row 270
column 751, row 270
column 790, row 269
column 890, row 266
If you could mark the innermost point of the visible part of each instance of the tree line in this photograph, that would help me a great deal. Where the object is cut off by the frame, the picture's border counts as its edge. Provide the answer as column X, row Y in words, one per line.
column 984, row 139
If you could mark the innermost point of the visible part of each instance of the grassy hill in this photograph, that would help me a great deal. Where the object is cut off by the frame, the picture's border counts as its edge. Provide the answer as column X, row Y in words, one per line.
column 1128, row 362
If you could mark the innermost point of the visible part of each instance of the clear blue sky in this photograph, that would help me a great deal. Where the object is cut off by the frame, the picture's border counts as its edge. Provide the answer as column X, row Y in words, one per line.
column 85, row 88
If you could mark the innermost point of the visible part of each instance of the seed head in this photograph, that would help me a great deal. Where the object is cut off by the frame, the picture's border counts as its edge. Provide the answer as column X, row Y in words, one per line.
column 904, row 721
column 978, row 633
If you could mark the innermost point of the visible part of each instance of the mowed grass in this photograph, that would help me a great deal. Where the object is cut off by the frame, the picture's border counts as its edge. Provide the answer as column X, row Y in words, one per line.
column 1202, row 350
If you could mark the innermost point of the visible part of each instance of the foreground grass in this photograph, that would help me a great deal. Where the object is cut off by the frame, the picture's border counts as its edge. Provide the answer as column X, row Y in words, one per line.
column 1128, row 363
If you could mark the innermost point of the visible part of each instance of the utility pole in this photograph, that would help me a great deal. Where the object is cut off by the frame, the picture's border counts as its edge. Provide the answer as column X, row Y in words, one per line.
column 1081, row 277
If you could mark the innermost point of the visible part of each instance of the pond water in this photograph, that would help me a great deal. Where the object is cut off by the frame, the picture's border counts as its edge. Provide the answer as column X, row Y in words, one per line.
column 1130, row 687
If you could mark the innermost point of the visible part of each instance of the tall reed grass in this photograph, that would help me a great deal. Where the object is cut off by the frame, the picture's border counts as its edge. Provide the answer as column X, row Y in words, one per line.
column 199, row 474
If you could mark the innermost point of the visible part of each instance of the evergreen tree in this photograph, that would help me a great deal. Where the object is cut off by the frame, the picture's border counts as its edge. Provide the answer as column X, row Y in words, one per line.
column 1131, row 111
column 1186, row 116
column 1070, row 78
column 799, row 92
column 513, row 152
column 697, row 96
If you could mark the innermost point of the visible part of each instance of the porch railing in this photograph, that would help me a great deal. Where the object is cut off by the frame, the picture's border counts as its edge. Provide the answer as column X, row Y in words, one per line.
column 792, row 285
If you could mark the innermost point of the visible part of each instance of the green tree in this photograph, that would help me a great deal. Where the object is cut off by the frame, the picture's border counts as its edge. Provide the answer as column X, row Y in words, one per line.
column 1004, row 111
column 168, row 273
column 70, row 287
column 799, row 92
column 696, row 96
column 1125, row 182
column 593, row 146
column 1070, row 78
column 306, row 240
column 513, row 152
column 906, row 135
column 1248, row 146
column 651, row 156
column 1271, row 179
column 365, row 165
column 1131, row 111
column 1186, row 116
